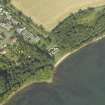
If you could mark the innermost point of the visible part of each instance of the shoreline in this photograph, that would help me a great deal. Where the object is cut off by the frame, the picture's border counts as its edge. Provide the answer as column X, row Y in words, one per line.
column 94, row 40
column 23, row 87
column 50, row 80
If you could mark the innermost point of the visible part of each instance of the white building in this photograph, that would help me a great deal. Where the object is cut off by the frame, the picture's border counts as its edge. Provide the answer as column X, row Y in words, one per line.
column 7, row 26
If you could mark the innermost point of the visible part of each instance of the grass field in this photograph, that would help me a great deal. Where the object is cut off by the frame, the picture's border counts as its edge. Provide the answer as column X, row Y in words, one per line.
column 51, row 12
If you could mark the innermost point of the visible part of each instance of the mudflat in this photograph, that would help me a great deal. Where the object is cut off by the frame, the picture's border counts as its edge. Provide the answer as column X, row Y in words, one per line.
column 50, row 12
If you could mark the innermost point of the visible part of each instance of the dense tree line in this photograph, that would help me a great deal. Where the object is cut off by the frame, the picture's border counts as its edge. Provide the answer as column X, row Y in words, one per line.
column 24, row 60
column 79, row 28
column 4, row 2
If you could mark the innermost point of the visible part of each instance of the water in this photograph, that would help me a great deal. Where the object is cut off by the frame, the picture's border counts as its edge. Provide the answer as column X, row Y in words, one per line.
column 79, row 80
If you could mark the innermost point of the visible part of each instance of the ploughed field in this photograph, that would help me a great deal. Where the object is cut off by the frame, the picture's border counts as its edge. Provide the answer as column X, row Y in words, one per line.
column 50, row 12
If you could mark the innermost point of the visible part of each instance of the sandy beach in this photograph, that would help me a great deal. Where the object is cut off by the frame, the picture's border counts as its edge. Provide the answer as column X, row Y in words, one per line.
column 50, row 23
column 75, row 50
column 23, row 87
column 55, row 66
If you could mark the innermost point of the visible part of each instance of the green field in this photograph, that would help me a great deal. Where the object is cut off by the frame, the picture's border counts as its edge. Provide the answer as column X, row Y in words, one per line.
column 28, row 53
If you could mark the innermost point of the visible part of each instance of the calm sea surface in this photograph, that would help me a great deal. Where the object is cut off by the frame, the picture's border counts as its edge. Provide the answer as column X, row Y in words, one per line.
column 79, row 80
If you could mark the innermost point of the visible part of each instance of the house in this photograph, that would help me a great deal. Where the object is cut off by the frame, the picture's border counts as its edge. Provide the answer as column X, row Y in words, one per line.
column 13, row 39
column 6, row 26
column 1, row 9
column 20, row 30
column 2, row 51
column 53, row 51
column 14, row 22
column 2, row 36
